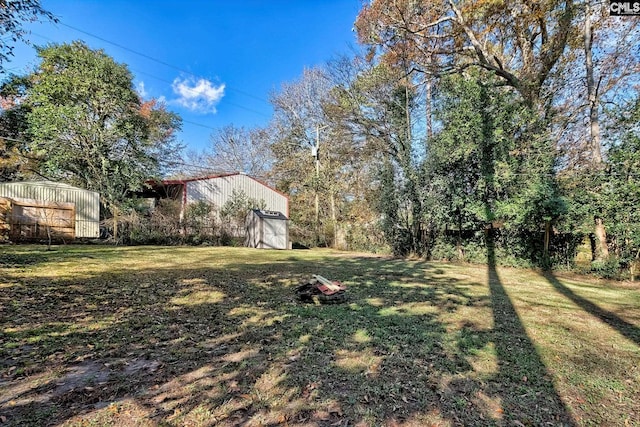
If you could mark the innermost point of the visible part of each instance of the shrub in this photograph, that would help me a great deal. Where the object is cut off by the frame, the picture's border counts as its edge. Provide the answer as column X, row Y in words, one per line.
column 607, row 269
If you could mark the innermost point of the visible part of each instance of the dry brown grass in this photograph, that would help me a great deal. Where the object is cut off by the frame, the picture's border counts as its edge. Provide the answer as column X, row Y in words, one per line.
column 152, row 336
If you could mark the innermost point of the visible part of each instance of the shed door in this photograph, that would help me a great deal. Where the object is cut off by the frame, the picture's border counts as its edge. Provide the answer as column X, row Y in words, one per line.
column 275, row 233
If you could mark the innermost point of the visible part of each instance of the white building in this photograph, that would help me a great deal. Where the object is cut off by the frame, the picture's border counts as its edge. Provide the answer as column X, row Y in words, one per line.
column 218, row 189
column 267, row 230
column 86, row 202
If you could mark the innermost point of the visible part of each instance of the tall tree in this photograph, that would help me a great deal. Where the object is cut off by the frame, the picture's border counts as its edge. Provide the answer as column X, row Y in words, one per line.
column 14, row 160
column 519, row 41
column 300, row 123
column 379, row 105
column 89, row 127
column 622, row 193
column 487, row 166
column 611, row 52
column 238, row 149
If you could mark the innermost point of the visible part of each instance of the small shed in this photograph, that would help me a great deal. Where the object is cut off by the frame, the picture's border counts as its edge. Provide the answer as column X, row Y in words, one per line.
column 46, row 197
column 267, row 230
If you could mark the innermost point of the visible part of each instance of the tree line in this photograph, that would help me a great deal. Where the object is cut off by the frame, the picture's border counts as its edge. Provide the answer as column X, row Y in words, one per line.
column 452, row 125
column 463, row 122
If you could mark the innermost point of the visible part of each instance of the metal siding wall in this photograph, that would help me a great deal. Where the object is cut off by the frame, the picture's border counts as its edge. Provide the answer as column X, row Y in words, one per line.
column 207, row 190
column 219, row 190
column 87, row 202
column 252, row 188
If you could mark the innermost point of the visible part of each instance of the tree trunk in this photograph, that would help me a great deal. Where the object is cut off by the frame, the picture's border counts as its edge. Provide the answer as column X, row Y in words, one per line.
column 115, row 224
column 428, row 105
column 635, row 262
column 547, row 241
column 407, row 112
column 592, row 91
column 601, row 250
column 48, row 237
column 460, row 251
column 334, row 220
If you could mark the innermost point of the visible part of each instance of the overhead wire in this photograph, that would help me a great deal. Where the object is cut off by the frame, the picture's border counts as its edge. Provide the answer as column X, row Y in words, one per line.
column 159, row 61
column 155, row 77
column 163, row 79
column 226, row 101
column 206, row 168
column 182, row 70
column 166, row 162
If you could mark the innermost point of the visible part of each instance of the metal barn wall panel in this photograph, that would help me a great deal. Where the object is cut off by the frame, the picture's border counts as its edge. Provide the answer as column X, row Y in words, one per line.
column 87, row 202
column 218, row 190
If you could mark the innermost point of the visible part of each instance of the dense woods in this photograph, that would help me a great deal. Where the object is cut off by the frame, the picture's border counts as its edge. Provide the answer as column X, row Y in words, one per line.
column 467, row 121
column 454, row 124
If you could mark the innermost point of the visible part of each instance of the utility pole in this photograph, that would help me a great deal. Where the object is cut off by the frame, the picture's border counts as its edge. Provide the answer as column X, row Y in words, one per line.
column 315, row 152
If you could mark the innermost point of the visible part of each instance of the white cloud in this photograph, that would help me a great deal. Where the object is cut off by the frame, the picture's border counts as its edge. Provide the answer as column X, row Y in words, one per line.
column 197, row 95
column 141, row 90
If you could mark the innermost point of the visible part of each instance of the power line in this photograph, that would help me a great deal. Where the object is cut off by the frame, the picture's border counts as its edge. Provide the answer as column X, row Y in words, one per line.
column 170, row 82
column 226, row 101
column 560, row 174
column 159, row 61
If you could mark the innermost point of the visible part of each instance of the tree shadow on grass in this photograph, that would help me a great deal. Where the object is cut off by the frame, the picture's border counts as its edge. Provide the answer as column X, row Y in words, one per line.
column 20, row 259
column 629, row 330
column 523, row 381
column 229, row 345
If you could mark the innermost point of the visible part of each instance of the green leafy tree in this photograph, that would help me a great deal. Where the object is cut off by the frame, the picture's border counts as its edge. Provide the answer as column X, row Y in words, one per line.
column 233, row 212
column 613, row 192
column 622, row 196
column 88, row 126
column 15, row 160
column 377, row 106
column 603, row 61
column 490, row 163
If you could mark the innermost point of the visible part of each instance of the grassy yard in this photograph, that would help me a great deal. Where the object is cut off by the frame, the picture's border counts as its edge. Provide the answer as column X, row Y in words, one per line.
column 157, row 336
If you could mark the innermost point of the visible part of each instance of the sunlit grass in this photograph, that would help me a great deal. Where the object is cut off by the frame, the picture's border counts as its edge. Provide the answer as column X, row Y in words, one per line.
column 358, row 361
column 362, row 336
column 204, row 336
column 198, row 298
column 410, row 309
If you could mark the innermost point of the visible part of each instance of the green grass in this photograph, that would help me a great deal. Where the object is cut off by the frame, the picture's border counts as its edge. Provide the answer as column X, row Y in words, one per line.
column 166, row 336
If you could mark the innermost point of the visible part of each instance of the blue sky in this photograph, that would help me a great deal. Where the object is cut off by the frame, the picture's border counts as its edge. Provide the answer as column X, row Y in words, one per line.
column 213, row 62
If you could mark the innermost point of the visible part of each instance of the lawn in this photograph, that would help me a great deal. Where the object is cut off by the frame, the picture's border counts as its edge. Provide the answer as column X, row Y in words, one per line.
column 166, row 336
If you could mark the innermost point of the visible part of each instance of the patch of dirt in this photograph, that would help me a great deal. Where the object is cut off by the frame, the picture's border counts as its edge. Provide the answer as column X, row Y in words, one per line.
column 80, row 376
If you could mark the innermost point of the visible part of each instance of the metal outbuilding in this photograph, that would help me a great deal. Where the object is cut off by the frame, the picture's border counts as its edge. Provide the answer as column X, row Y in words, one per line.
column 216, row 190
column 267, row 230
column 86, row 202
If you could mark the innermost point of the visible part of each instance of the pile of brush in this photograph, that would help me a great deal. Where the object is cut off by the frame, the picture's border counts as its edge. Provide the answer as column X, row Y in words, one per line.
column 321, row 290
